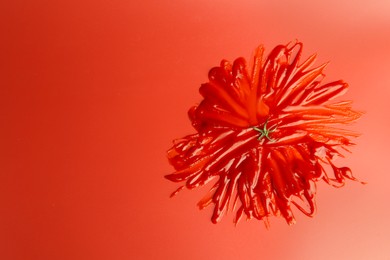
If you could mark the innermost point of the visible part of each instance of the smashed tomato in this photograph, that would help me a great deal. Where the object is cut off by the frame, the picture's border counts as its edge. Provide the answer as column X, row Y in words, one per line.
column 265, row 134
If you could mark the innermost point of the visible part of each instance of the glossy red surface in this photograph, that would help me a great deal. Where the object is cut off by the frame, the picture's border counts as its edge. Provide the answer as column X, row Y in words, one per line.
column 265, row 136
column 93, row 92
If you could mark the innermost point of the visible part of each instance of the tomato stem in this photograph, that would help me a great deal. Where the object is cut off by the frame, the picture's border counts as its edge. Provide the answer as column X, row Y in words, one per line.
column 265, row 132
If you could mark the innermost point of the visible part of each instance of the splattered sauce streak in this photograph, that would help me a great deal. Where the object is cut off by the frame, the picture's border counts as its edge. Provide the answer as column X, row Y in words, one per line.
column 265, row 135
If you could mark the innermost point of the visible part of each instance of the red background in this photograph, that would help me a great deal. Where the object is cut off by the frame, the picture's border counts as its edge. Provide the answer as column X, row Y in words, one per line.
column 93, row 92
